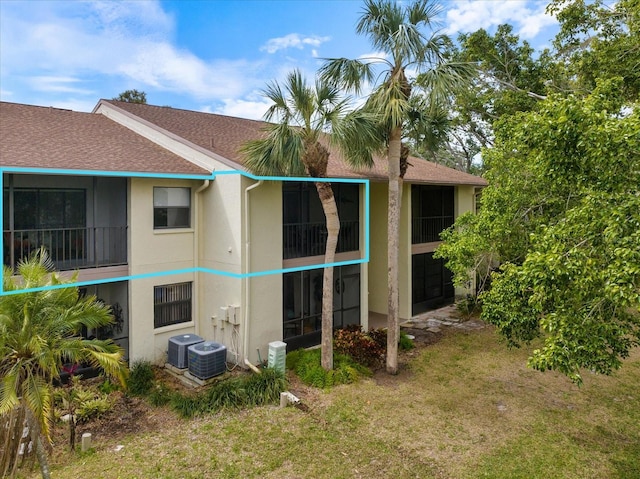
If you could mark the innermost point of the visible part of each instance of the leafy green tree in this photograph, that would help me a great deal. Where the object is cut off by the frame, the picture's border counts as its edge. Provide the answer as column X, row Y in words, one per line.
column 559, row 231
column 511, row 78
column 599, row 40
column 403, row 34
column 132, row 96
column 295, row 146
column 39, row 333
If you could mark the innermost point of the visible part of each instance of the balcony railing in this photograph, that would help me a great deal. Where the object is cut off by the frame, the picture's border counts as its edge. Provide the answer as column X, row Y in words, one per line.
column 69, row 248
column 310, row 239
column 428, row 229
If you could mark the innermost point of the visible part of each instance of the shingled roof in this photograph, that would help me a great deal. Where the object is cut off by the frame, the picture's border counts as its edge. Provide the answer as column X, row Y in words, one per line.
column 46, row 137
column 224, row 135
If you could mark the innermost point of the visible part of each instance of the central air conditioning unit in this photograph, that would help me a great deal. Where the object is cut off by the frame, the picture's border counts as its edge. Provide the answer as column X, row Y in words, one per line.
column 177, row 353
column 207, row 359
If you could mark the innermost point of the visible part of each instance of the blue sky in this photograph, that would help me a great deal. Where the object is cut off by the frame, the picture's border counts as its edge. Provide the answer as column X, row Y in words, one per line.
column 201, row 55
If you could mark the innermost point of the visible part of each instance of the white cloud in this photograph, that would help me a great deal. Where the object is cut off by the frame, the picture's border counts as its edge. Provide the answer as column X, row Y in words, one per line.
column 162, row 66
column 252, row 109
column 58, row 84
column 528, row 18
column 130, row 41
column 292, row 40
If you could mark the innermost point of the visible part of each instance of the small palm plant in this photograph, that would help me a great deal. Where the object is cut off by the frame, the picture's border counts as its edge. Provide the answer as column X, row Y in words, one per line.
column 39, row 333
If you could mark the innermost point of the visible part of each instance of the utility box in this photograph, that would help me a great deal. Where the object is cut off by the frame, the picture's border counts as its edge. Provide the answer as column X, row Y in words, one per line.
column 277, row 358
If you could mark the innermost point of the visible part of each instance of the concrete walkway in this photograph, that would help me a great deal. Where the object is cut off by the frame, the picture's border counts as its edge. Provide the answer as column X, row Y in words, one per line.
column 433, row 321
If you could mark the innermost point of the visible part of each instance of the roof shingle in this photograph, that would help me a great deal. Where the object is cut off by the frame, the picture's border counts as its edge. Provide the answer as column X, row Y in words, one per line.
column 224, row 135
column 46, row 137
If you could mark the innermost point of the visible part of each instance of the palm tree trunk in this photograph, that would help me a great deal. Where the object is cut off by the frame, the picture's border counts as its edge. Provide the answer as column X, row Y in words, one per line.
column 325, row 192
column 36, row 439
column 393, row 239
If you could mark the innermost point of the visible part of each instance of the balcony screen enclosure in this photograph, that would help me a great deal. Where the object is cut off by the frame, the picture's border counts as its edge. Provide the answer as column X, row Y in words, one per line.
column 302, row 298
column 304, row 231
column 80, row 221
column 432, row 210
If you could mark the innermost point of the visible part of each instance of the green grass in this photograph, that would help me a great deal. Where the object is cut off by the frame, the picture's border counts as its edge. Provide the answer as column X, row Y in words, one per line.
column 466, row 407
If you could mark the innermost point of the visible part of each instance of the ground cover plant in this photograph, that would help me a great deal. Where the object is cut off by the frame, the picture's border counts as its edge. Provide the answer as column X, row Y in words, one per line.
column 464, row 407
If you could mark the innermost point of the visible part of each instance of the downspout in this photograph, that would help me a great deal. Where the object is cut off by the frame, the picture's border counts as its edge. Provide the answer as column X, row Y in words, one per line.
column 196, row 254
column 247, row 262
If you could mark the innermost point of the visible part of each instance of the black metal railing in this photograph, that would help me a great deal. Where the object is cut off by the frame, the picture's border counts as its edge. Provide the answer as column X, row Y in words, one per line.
column 428, row 229
column 68, row 248
column 310, row 239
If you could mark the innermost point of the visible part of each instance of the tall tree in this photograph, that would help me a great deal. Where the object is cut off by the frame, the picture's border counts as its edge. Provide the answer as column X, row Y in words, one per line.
column 40, row 331
column 511, row 78
column 293, row 146
column 560, row 228
column 132, row 96
column 599, row 40
column 408, row 46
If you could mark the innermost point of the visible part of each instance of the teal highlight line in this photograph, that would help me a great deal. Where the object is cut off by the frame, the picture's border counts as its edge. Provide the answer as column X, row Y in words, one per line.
column 178, row 272
column 134, row 174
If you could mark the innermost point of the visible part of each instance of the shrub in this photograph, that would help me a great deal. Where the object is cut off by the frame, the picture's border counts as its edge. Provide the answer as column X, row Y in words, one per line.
column 469, row 306
column 160, row 395
column 238, row 392
column 406, row 343
column 107, row 387
column 306, row 365
column 93, row 408
column 141, row 378
column 365, row 348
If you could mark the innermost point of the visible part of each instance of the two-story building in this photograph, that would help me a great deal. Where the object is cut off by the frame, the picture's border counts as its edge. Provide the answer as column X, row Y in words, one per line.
column 151, row 205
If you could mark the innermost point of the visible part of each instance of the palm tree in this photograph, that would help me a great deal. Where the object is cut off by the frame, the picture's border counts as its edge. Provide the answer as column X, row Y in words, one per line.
column 405, row 53
column 293, row 146
column 39, row 333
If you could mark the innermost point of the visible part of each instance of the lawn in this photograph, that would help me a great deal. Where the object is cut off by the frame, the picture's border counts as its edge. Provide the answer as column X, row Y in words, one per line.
column 465, row 407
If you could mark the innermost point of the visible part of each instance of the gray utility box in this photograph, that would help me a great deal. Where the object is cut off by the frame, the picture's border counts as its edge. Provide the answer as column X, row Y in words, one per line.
column 207, row 359
column 177, row 353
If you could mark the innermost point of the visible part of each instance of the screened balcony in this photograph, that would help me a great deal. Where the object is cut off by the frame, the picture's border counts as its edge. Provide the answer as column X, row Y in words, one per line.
column 310, row 239
column 432, row 211
column 69, row 248
column 304, row 231
column 80, row 221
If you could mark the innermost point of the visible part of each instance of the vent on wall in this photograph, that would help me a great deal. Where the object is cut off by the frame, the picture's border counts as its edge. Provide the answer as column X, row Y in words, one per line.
column 177, row 352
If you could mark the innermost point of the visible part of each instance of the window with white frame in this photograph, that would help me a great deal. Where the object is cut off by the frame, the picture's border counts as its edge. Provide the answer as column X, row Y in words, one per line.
column 171, row 207
column 171, row 304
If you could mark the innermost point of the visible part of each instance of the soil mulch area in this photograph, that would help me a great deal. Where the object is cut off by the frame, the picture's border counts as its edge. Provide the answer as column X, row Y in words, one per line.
column 135, row 415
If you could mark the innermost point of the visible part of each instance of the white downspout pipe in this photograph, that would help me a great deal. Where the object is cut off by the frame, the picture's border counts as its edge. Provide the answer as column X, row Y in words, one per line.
column 196, row 254
column 247, row 262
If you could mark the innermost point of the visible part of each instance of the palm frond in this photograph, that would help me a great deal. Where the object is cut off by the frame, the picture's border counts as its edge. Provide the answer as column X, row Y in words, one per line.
column 445, row 79
column 9, row 385
column 358, row 136
column 352, row 75
column 37, row 396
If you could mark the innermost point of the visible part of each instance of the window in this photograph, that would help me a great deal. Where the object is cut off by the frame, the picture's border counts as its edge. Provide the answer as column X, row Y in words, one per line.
column 172, row 304
column 171, row 207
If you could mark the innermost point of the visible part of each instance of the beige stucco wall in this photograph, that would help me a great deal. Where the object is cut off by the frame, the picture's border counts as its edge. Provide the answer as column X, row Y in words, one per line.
column 465, row 202
column 404, row 256
column 377, row 267
column 224, row 248
column 152, row 252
